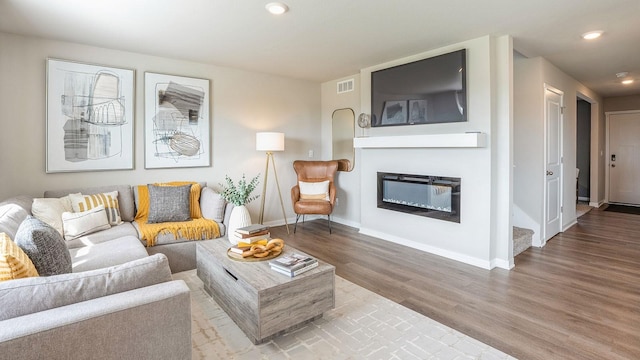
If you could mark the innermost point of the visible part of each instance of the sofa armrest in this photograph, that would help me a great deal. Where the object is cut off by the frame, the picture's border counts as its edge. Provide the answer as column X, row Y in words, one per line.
column 153, row 322
column 48, row 292
column 227, row 213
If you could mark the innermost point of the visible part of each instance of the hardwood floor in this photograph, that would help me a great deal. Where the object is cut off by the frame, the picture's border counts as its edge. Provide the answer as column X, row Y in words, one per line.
column 576, row 298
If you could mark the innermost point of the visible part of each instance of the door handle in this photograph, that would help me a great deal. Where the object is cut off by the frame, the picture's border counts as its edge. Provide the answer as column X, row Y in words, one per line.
column 549, row 172
column 613, row 165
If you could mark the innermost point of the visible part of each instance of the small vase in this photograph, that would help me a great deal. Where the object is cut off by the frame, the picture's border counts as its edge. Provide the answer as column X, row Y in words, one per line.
column 239, row 217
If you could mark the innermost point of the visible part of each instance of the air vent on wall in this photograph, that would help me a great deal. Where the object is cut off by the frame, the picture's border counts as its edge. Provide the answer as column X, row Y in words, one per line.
column 345, row 86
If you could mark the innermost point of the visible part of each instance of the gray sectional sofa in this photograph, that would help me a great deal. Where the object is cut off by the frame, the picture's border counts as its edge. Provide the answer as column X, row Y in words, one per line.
column 180, row 252
column 119, row 301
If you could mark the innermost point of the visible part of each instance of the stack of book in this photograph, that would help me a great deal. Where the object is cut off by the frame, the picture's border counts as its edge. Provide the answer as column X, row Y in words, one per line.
column 255, row 234
column 241, row 247
column 293, row 264
column 252, row 233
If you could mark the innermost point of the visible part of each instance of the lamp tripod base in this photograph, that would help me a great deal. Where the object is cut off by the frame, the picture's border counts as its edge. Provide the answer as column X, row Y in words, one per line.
column 264, row 190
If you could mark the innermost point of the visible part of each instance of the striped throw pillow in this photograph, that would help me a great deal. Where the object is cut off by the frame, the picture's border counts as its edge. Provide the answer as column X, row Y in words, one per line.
column 81, row 203
column 14, row 263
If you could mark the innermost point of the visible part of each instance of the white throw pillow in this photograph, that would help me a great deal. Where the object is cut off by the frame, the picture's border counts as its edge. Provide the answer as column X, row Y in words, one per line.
column 82, row 223
column 314, row 190
column 49, row 211
column 212, row 204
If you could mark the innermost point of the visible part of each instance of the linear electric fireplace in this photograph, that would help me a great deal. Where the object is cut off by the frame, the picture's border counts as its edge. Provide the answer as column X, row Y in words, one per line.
column 431, row 196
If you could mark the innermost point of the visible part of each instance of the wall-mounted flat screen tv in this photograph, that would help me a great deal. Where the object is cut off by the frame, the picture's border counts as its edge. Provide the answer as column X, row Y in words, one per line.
column 427, row 91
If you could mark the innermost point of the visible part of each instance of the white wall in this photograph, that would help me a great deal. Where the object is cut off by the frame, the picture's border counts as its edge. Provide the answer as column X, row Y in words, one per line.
column 476, row 238
column 530, row 77
column 502, row 152
column 347, row 209
column 622, row 103
column 528, row 145
column 242, row 103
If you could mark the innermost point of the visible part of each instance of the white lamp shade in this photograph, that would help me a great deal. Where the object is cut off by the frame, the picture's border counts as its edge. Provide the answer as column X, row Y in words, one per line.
column 269, row 141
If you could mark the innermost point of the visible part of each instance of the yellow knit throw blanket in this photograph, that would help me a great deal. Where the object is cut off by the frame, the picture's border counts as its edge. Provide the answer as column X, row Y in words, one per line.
column 198, row 228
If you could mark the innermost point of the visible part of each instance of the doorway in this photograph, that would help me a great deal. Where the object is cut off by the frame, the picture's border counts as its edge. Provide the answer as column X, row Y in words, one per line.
column 583, row 157
column 583, row 150
column 623, row 163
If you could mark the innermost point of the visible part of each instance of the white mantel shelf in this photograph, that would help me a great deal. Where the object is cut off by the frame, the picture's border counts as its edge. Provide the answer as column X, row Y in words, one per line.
column 463, row 140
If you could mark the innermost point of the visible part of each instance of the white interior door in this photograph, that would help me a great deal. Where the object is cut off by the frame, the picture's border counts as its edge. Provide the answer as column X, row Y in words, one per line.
column 553, row 163
column 624, row 158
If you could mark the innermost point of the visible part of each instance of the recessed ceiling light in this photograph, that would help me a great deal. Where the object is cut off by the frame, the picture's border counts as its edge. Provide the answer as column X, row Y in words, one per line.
column 277, row 8
column 592, row 35
column 627, row 82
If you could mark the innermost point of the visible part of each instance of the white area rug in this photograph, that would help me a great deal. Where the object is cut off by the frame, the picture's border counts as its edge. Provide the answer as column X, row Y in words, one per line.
column 363, row 325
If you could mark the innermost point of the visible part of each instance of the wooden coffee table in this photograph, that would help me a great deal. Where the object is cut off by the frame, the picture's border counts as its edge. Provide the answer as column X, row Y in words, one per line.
column 261, row 301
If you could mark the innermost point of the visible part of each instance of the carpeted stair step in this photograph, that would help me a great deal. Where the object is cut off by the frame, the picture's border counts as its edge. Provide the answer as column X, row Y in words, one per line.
column 522, row 239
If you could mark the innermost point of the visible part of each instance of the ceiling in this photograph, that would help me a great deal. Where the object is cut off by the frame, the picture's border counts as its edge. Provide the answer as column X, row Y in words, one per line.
column 322, row 40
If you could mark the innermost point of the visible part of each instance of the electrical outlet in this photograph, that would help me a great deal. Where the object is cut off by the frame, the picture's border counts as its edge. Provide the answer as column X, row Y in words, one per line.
column 310, row 153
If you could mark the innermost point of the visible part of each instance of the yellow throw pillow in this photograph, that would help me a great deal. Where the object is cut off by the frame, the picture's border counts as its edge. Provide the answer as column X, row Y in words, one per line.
column 14, row 263
column 83, row 203
column 314, row 190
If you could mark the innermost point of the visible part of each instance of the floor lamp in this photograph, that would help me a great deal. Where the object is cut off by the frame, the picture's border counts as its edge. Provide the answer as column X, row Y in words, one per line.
column 270, row 142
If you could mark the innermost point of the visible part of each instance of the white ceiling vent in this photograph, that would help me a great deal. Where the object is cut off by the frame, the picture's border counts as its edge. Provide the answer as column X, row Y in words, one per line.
column 346, row 86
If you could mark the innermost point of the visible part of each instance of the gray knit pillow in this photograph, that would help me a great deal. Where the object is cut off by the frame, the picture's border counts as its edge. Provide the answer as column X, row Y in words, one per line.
column 45, row 247
column 169, row 203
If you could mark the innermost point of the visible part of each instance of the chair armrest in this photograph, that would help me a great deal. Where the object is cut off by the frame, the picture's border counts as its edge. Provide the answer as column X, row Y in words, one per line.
column 295, row 194
column 332, row 193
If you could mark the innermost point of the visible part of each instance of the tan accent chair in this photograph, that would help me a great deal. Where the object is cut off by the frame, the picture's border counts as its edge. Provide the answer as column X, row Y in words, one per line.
column 312, row 172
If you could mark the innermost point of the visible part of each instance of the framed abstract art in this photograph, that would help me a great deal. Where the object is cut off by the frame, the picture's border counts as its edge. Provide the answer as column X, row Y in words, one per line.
column 177, row 121
column 89, row 124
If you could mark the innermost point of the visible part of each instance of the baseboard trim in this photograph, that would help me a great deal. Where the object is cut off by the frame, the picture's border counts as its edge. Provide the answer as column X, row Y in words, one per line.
column 280, row 222
column 345, row 222
column 596, row 204
column 566, row 227
column 503, row 264
column 292, row 221
column 431, row 249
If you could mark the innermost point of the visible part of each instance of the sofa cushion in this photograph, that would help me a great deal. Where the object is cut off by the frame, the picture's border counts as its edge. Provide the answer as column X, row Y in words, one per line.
column 109, row 200
column 12, row 212
column 212, row 205
column 78, row 224
column 125, row 229
column 169, row 203
column 125, row 197
column 45, row 247
column 51, row 292
column 14, row 263
column 49, row 210
column 114, row 252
